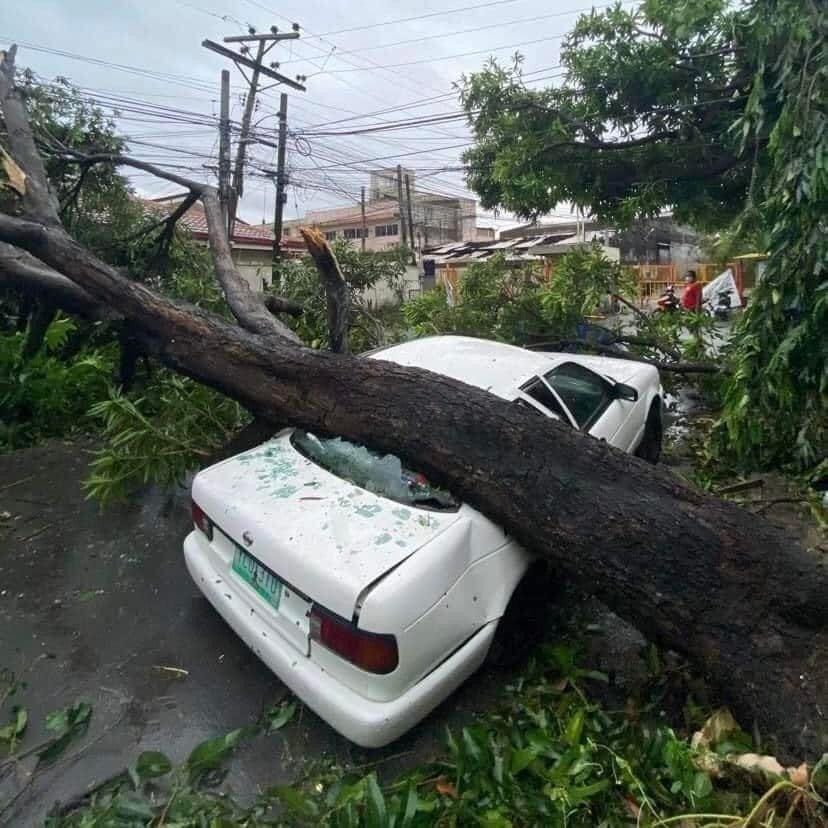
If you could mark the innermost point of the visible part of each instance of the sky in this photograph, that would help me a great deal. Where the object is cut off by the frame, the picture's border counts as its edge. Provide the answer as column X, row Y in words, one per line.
column 367, row 64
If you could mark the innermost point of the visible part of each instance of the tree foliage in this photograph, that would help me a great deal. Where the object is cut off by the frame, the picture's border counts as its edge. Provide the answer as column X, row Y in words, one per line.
column 50, row 394
column 642, row 120
column 776, row 407
column 518, row 304
column 716, row 111
column 299, row 280
column 549, row 754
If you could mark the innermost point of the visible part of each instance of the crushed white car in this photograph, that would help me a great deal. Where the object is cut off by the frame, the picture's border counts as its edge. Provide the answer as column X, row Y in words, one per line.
column 370, row 593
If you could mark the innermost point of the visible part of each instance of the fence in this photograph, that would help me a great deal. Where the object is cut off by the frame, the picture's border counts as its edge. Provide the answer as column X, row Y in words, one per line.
column 654, row 279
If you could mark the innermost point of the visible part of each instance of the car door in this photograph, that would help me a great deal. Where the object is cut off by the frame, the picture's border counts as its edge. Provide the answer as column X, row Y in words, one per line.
column 592, row 402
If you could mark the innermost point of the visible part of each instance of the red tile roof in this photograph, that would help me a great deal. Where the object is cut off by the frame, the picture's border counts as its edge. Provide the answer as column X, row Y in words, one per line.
column 195, row 221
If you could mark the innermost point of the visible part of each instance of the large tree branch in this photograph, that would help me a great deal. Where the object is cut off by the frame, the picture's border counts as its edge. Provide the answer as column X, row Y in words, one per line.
column 22, row 271
column 38, row 199
column 247, row 306
column 620, row 353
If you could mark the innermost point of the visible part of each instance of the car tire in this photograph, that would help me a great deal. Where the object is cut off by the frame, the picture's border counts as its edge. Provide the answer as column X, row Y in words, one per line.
column 522, row 625
column 649, row 448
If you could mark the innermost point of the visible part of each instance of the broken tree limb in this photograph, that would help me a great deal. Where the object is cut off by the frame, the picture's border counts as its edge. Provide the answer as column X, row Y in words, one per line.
column 280, row 304
column 694, row 573
column 336, row 288
column 41, row 317
column 22, row 271
column 619, row 353
column 37, row 197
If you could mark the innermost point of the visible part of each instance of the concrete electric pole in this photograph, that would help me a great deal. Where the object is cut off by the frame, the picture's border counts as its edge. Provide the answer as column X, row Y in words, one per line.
column 364, row 227
column 410, row 218
column 402, row 206
column 224, row 146
column 265, row 43
column 281, row 181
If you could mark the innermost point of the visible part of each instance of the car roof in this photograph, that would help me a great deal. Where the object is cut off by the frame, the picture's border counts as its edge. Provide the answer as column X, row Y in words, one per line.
column 493, row 366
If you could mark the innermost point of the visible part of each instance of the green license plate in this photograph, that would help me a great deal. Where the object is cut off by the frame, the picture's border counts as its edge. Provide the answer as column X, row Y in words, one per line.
column 257, row 576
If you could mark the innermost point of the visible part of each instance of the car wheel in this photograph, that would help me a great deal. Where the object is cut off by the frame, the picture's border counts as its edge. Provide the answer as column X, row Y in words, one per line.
column 649, row 448
column 521, row 627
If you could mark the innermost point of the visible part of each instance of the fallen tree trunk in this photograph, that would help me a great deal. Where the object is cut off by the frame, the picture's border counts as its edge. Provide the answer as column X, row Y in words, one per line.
column 694, row 573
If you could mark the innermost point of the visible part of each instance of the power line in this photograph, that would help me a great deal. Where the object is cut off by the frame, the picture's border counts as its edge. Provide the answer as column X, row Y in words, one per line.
column 435, row 58
column 459, row 32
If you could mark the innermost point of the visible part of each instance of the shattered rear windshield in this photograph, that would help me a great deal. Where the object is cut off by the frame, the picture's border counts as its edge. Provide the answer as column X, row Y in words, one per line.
column 382, row 474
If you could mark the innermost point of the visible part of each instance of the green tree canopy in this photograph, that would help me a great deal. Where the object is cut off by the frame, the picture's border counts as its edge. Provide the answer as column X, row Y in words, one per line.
column 716, row 111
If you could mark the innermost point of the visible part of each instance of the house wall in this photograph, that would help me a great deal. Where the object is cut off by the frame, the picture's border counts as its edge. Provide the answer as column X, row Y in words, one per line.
column 340, row 220
column 381, row 294
column 254, row 265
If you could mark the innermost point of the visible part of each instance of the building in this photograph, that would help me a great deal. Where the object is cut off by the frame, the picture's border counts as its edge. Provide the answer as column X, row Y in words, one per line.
column 436, row 218
column 659, row 241
column 448, row 262
column 251, row 245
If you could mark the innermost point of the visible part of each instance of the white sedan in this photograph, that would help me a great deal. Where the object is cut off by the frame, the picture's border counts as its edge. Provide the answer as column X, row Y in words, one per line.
column 370, row 593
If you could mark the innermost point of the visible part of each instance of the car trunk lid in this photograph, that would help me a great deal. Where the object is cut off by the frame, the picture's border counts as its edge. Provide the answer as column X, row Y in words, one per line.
column 316, row 531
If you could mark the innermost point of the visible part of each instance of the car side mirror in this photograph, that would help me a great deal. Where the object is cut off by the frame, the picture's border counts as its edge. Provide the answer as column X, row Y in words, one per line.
column 625, row 392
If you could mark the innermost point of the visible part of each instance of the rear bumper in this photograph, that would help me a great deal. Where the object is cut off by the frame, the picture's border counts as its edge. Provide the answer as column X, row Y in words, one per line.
column 364, row 721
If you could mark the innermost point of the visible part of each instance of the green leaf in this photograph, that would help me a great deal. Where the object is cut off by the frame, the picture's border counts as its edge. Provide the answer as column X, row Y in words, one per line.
column 521, row 759
column 279, row 716
column 376, row 816
column 577, row 795
column 57, row 720
column 702, row 786
column 411, row 802
column 294, row 800
column 130, row 805
column 575, row 727
column 819, row 776
column 151, row 764
column 211, row 754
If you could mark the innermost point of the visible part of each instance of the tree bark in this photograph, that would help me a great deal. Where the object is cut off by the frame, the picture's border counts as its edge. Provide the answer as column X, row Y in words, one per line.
column 40, row 319
column 694, row 573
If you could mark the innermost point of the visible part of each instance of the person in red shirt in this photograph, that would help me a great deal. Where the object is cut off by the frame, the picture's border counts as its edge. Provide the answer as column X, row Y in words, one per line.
column 691, row 299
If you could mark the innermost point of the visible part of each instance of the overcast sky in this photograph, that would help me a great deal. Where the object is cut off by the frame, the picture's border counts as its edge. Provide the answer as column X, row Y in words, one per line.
column 344, row 44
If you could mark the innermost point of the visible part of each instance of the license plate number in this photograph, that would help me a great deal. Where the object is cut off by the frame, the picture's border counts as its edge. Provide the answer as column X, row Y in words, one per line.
column 261, row 579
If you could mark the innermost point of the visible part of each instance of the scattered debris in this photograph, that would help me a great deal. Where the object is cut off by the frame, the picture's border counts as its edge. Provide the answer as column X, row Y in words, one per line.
column 179, row 672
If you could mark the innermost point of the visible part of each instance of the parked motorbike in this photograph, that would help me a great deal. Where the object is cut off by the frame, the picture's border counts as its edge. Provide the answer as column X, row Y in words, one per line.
column 723, row 306
column 668, row 302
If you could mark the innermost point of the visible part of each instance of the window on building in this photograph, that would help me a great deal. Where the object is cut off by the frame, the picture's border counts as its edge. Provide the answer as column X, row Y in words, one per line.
column 354, row 233
column 286, row 231
column 387, row 230
column 330, row 235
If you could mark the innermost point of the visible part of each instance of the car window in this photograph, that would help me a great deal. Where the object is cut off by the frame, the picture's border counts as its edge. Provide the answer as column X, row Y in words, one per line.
column 382, row 474
column 583, row 392
column 539, row 391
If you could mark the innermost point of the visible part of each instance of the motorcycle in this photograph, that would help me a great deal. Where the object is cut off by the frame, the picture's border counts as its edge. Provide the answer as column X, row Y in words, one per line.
column 668, row 302
column 723, row 306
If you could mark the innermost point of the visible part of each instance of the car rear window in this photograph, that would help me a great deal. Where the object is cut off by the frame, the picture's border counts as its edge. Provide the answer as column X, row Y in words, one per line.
column 382, row 474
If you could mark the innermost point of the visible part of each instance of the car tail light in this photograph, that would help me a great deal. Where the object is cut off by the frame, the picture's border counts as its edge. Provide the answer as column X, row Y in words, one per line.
column 373, row 652
column 201, row 520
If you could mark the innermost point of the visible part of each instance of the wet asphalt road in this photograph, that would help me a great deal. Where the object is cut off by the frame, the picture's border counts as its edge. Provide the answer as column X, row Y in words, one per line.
column 93, row 602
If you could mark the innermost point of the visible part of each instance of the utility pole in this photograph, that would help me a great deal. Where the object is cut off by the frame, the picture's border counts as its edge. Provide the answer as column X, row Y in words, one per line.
column 364, row 228
column 281, row 180
column 241, row 150
column 410, row 218
column 224, row 146
column 400, row 202
column 265, row 43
